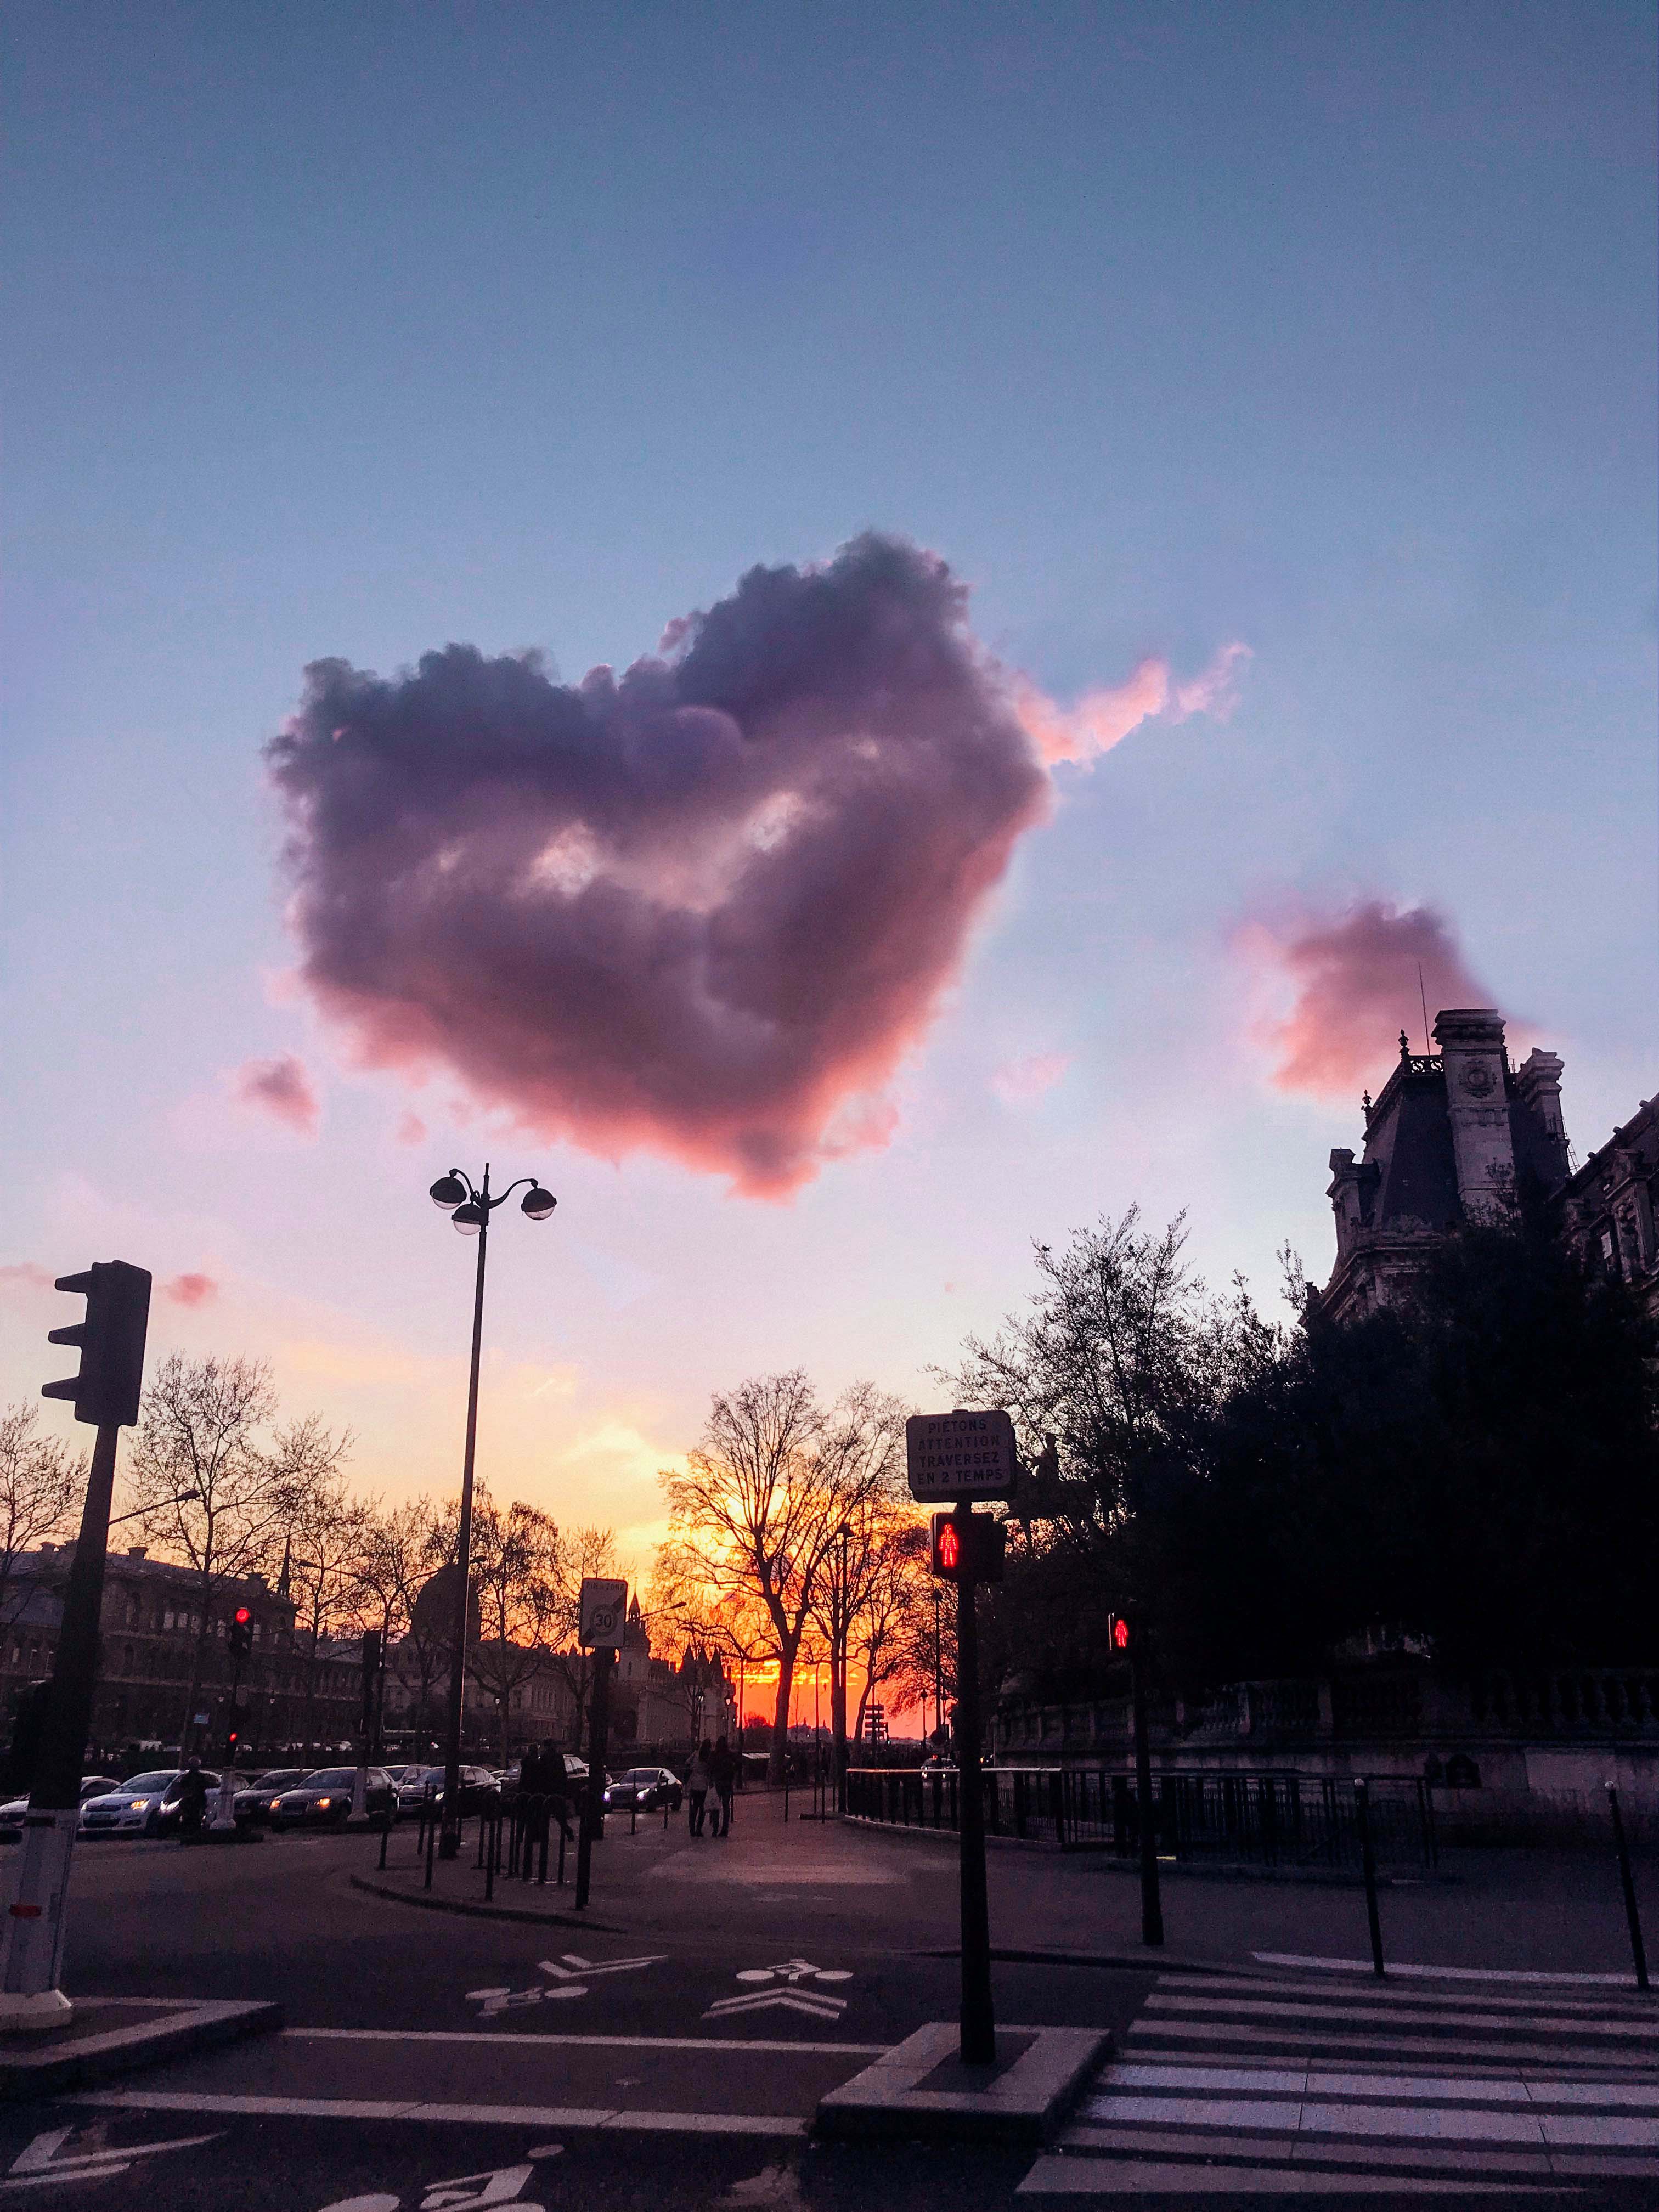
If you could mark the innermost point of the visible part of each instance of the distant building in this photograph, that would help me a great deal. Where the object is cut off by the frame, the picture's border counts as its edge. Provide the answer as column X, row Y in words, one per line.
column 1459, row 1135
column 151, row 1625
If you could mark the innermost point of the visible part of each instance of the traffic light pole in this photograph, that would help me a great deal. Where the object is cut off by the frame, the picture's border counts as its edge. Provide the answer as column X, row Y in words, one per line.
column 36, row 1888
column 592, row 1815
column 979, row 2043
column 1152, row 1905
column 224, row 1818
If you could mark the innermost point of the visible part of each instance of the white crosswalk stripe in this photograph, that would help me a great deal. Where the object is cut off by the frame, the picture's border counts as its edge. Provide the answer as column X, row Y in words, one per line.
column 1263, row 2084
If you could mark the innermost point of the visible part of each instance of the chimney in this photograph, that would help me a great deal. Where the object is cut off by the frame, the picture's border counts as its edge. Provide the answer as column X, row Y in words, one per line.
column 1471, row 1042
column 1538, row 1085
column 137, row 1551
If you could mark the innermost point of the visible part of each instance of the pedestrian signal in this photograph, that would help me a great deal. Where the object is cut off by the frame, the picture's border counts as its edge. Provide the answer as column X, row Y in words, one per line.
column 969, row 1547
column 1122, row 1634
column 111, row 1340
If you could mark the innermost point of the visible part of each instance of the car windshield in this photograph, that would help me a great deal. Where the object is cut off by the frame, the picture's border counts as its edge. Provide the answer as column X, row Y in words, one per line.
column 331, row 1778
column 641, row 1774
column 150, row 1784
column 281, row 1777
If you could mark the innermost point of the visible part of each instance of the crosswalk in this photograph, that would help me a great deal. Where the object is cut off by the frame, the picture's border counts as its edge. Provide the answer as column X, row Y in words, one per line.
column 1280, row 2084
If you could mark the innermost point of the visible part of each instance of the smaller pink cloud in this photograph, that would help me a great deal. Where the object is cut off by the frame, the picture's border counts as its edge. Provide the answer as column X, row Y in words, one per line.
column 1104, row 717
column 281, row 1088
column 191, row 1289
column 412, row 1130
column 26, row 1275
column 1355, row 973
column 1016, row 1081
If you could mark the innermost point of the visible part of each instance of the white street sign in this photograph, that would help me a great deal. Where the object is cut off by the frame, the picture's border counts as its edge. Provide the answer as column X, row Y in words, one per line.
column 960, row 1455
column 604, row 1614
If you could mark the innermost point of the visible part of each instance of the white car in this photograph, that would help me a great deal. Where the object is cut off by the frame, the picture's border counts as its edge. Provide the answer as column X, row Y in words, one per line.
column 146, row 1806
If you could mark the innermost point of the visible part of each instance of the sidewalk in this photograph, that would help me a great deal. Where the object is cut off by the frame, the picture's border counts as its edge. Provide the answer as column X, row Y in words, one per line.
column 1515, row 1911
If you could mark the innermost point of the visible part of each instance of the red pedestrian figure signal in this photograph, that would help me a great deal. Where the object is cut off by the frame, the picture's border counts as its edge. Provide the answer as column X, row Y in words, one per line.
column 1119, row 1634
column 947, row 1546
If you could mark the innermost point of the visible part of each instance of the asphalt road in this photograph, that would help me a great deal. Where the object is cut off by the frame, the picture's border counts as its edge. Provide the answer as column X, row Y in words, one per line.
column 669, row 2052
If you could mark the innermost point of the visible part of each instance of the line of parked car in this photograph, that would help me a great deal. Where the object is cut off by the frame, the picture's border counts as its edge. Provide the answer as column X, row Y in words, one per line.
column 286, row 1798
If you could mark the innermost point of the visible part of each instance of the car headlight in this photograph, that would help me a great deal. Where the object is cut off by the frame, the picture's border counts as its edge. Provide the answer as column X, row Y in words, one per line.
column 138, row 1805
column 276, row 1804
column 322, row 1803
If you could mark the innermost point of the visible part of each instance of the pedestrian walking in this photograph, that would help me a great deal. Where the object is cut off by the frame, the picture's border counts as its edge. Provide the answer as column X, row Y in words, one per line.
column 555, row 1783
column 192, row 1802
column 723, row 1779
column 696, row 1785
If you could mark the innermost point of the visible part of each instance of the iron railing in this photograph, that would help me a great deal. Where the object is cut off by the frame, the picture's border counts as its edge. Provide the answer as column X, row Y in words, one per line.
column 1259, row 1819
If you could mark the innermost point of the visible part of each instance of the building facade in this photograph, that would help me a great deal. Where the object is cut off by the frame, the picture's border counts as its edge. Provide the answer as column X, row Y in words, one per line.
column 1458, row 1136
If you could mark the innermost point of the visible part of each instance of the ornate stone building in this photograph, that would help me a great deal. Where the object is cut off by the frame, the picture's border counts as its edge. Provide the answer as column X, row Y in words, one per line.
column 1459, row 1135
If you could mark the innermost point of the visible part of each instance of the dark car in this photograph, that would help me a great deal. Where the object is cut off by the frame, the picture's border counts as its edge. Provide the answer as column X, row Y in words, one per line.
column 649, row 1788
column 254, row 1798
column 323, row 1800
column 480, row 1791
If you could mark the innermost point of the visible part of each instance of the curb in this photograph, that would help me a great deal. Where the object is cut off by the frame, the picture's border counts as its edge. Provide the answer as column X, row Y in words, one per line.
column 469, row 1911
column 76, row 2061
column 1141, row 1962
column 1023, row 2102
column 1168, row 1869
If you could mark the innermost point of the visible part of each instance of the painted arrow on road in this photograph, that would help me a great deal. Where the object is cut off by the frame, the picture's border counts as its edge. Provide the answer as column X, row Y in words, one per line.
column 779, row 2001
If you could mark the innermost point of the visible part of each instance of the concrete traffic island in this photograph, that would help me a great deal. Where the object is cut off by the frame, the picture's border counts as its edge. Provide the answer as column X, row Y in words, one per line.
column 109, row 2037
column 921, row 2089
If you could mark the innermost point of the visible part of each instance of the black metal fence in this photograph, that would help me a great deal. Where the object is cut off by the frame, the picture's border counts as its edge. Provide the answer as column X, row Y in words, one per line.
column 1253, row 1819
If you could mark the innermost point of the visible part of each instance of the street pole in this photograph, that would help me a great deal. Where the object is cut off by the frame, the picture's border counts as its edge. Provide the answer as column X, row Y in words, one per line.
column 449, row 1840
column 36, row 1890
column 978, row 2045
column 593, row 1809
column 1152, row 1905
column 938, row 1704
column 224, row 1815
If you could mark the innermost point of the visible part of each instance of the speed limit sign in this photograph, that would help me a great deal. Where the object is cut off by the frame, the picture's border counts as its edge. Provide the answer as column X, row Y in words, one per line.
column 604, row 1611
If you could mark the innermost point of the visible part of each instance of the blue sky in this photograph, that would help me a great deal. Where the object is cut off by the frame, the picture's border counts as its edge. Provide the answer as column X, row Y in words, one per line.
column 1328, row 330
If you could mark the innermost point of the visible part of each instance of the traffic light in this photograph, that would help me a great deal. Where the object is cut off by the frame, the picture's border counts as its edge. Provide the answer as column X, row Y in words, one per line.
column 241, row 1633
column 1121, row 1633
column 111, row 1343
column 947, row 1547
column 969, row 1547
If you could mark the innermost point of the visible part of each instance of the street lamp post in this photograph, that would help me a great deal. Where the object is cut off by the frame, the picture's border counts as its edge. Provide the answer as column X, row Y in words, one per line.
column 470, row 1210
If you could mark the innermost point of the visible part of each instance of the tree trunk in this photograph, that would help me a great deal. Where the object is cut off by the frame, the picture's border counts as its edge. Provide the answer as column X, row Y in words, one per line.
column 780, row 1750
column 838, row 1714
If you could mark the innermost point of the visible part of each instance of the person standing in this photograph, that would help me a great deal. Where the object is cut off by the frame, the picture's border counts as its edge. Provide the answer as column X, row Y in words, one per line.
column 556, row 1781
column 723, row 1778
column 696, row 1785
column 192, row 1802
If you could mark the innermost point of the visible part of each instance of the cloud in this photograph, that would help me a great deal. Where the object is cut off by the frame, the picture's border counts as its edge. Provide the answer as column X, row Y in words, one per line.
column 26, row 1275
column 412, row 1130
column 1104, row 718
column 191, row 1289
column 1355, row 976
column 282, row 1089
column 704, row 907
column 1018, row 1079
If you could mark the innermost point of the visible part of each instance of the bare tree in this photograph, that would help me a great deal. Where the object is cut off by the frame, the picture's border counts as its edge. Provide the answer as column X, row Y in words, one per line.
column 590, row 1552
column 211, row 1490
column 752, row 1519
column 896, row 1589
column 328, row 1535
column 517, row 1563
column 41, row 1483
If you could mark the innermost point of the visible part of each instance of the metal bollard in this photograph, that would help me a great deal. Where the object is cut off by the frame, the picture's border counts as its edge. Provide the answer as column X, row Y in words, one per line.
column 1368, row 1861
column 562, row 1842
column 431, row 1840
column 487, row 1856
column 1632, row 1914
column 385, row 1836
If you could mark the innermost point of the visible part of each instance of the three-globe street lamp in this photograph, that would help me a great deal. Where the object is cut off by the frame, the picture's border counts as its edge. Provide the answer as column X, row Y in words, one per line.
column 469, row 1209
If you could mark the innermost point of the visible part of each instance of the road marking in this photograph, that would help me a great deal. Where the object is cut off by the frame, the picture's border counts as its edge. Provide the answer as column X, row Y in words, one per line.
column 39, row 2161
column 1296, row 1960
column 778, row 2001
column 594, row 2042
column 1078, row 2177
column 599, row 2118
column 1421, row 2012
column 794, row 1971
column 1332, row 1995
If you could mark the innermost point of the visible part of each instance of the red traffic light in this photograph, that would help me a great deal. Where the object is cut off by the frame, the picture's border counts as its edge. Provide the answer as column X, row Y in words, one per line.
column 242, row 1616
column 1119, row 1634
column 947, row 1547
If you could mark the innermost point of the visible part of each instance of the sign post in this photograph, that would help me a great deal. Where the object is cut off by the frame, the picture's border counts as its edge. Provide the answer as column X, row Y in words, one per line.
column 604, row 1614
column 956, row 1458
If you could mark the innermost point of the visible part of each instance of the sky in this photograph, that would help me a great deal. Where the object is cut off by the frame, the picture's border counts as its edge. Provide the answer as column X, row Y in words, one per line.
column 1246, row 418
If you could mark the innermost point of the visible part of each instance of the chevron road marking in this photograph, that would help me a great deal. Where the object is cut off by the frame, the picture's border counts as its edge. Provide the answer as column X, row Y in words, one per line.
column 819, row 2007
